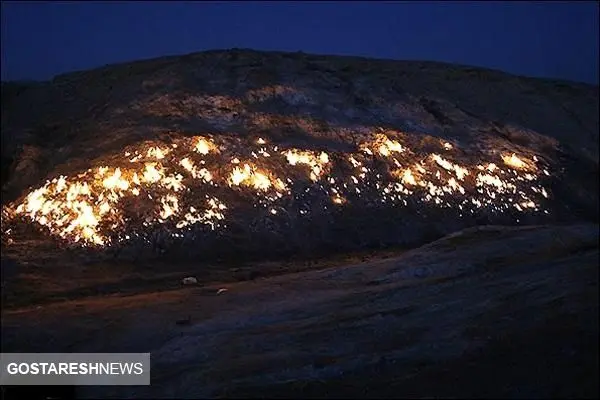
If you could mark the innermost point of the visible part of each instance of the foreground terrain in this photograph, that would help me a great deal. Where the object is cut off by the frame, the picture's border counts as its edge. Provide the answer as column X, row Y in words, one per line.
column 350, row 175
column 489, row 311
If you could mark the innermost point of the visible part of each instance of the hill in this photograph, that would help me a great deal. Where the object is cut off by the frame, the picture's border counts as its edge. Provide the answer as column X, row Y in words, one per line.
column 292, row 153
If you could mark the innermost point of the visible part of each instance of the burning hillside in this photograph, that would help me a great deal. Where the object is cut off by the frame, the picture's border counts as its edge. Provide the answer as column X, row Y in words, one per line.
column 237, row 165
column 193, row 183
column 275, row 152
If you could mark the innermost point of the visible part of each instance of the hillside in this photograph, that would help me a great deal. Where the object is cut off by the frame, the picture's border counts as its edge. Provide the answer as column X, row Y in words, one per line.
column 292, row 153
column 348, row 227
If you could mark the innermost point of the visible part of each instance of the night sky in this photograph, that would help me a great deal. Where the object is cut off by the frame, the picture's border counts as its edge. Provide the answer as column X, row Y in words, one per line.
column 542, row 39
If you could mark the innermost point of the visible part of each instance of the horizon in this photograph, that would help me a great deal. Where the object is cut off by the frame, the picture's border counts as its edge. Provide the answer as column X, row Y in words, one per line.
column 555, row 40
column 117, row 64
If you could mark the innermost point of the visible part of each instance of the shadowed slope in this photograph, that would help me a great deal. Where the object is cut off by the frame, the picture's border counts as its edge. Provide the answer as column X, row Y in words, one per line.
column 506, row 312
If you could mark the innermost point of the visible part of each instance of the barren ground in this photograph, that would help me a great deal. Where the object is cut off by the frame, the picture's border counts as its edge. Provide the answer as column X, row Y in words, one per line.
column 487, row 312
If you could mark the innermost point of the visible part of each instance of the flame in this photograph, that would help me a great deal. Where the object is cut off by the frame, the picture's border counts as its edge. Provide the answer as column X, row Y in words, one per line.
column 188, row 165
column 260, row 181
column 87, row 208
column 170, row 206
column 213, row 212
column 354, row 162
column 316, row 163
column 197, row 173
column 151, row 174
column 156, row 152
column 514, row 161
column 112, row 182
column 460, row 172
column 253, row 177
column 337, row 199
column 205, row 146
column 239, row 175
column 407, row 177
column 383, row 145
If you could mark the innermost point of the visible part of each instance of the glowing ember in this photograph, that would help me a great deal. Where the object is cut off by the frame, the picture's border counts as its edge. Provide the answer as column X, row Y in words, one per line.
column 89, row 208
column 354, row 162
column 113, row 182
column 514, row 161
column 151, row 174
column 383, row 145
column 170, row 206
column 461, row 172
column 407, row 177
column 197, row 173
column 317, row 164
column 255, row 178
column 204, row 146
column 338, row 200
column 155, row 152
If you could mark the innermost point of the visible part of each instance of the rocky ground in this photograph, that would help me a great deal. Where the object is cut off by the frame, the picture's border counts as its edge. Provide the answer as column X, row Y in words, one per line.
column 487, row 312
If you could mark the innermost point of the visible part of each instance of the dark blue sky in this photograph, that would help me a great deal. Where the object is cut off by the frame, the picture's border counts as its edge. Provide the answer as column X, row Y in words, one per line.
column 544, row 39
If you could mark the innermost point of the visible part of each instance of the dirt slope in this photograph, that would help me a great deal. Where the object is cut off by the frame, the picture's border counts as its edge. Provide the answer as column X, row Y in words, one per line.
column 486, row 312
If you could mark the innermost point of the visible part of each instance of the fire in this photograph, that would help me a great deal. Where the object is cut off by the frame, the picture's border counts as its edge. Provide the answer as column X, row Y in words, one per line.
column 455, row 186
column 253, row 177
column 460, row 172
column 213, row 212
column 316, row 163
column 151, row 174
column 383, row 145
column 260, row 181
column 514, row 161
column 87, row 208
column 205, row 174
column 240, row 175
column 197, row 173
column 337, row 199
column 354, row 161
column 156, row 152
column 49, row 213
column 173, row 182
column 170, row 206
column 113, row 182
column 493, row 180
column 407, row 177
column 205, row 146
column 187, row 164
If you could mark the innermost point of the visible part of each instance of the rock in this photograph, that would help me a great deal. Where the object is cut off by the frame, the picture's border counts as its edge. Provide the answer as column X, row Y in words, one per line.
column 190, row 280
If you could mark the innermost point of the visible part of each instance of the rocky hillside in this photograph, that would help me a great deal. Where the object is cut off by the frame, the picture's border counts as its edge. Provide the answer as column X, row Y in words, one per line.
column 291, row 153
